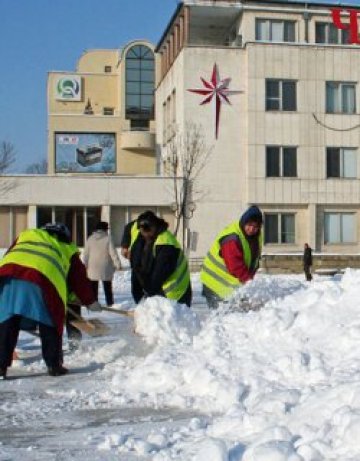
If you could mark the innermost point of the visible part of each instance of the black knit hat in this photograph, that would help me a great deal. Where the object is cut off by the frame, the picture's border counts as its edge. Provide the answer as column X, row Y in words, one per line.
column 102, row 225
column 253, row 213
column 59, row 230
column 148, row 218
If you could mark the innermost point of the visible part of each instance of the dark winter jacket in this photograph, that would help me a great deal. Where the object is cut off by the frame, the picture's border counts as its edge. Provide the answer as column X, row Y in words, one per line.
column 152, row 269
column 307, row 257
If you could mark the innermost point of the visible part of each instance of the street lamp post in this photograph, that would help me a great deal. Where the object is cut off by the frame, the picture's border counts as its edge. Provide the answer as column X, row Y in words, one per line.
column 185, row 212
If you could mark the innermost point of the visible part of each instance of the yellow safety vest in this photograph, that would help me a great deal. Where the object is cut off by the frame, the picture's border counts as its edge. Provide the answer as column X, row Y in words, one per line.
column 134, row 233
column 37, row 249
column 214, row 273
column 178, row 282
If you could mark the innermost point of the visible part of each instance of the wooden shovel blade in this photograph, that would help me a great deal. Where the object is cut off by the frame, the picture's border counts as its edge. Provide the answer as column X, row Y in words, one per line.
column 93, row 327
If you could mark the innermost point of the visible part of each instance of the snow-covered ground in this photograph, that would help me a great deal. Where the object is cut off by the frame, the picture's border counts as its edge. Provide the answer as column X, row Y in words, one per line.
column 281, row 383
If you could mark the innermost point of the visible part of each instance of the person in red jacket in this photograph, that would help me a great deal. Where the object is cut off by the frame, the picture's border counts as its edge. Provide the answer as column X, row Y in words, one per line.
column 36, row 273
column 231, row 254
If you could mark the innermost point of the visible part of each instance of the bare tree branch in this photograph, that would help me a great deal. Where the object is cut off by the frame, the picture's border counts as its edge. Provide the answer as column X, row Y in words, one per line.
column 186, row 156
column 37, row 168
column 7, row 159
column 7, row 156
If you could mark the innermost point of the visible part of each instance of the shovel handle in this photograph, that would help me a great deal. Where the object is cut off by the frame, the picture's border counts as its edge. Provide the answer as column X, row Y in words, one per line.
column 118, row 311
column 79, row 317
column 75, row 314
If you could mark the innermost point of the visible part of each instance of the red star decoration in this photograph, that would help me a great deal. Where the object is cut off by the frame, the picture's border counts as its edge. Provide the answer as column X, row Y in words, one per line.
column 218, row 89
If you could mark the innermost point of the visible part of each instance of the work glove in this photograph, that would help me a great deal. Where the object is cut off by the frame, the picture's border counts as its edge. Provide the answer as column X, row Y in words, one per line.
column 95, row 307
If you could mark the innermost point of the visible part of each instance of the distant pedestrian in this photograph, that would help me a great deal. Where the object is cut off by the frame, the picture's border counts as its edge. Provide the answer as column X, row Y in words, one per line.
column 101, row 260
column 307, row 261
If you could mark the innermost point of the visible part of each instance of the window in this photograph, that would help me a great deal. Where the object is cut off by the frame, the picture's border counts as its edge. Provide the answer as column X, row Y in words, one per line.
column 108, row 111
column 279, row 228
column 327, row 32
column 13, row 220
column 274, row 30
column 140, row 83
column 80, row 220
column 107, row 69
column 281, row 162
column 340, row 98
column 139, row 125
column 341, row 162
column 164, row 123
column 339, row 228
column 280, row 95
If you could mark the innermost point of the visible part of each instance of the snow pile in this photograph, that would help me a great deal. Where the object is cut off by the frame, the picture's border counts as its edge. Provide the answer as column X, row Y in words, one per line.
column 283, row 380
column 165, row 322
column 261, row 290
column 277, row 384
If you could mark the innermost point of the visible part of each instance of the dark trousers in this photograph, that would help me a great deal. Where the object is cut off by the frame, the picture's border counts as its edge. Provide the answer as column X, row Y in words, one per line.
column 107, row 285
column 51, row 342
column 212, row 299
column 72, row 332
column 136, row 288
column 307, row 271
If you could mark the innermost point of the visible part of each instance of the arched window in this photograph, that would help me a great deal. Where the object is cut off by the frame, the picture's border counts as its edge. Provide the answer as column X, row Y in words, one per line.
column 140, row 84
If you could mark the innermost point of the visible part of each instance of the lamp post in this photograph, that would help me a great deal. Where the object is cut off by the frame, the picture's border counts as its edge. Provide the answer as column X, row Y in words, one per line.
column 184, row 211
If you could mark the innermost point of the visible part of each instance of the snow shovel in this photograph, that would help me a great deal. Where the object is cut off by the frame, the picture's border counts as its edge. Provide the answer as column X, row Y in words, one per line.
column 93, row 327
column 119, row 311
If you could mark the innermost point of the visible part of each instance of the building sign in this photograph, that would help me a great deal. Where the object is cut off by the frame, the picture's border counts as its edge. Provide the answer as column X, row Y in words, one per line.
column 68, row 88
column 85, row 153
column 349, row 25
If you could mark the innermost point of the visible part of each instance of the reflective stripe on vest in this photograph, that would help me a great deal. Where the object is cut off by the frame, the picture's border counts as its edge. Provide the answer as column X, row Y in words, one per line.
column 134, row 233
column 38, row 250
column 178, row 282
column 214, row 273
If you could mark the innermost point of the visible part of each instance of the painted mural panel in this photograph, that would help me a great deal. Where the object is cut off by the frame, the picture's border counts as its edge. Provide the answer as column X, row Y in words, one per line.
column 85, row 153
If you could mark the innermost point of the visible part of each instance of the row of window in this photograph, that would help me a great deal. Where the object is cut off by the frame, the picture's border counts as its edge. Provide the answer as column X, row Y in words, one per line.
column 281, row 161
column 338, row 228
column 279, row 228
column 280, row 95
column 274, row 30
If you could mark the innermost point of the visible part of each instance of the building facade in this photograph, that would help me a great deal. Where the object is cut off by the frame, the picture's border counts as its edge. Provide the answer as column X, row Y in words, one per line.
column 275, row 87
column 101, row 149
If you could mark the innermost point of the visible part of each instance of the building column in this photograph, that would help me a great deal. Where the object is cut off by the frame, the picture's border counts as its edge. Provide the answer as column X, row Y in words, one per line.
column 31, row 218
column 312, row 225
column 105, row 213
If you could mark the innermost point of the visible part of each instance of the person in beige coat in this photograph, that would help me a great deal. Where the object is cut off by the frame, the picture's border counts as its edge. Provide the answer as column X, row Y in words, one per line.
column 101, row 260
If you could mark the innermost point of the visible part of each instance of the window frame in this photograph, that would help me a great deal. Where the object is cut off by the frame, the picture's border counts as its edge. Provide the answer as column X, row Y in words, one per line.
column 340, row 230
column 140, row 83
column 341, row 100
column 108, row 111
column 341, row 167
column 280, row 233
column 342, row 37
column 81, row 220
column 280, row 98
column 281, row 151
column 270, row 22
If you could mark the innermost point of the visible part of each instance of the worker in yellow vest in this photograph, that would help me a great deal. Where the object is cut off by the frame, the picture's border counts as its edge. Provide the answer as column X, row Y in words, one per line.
column 36, row 274
column 233, row 258
column 159, row 266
